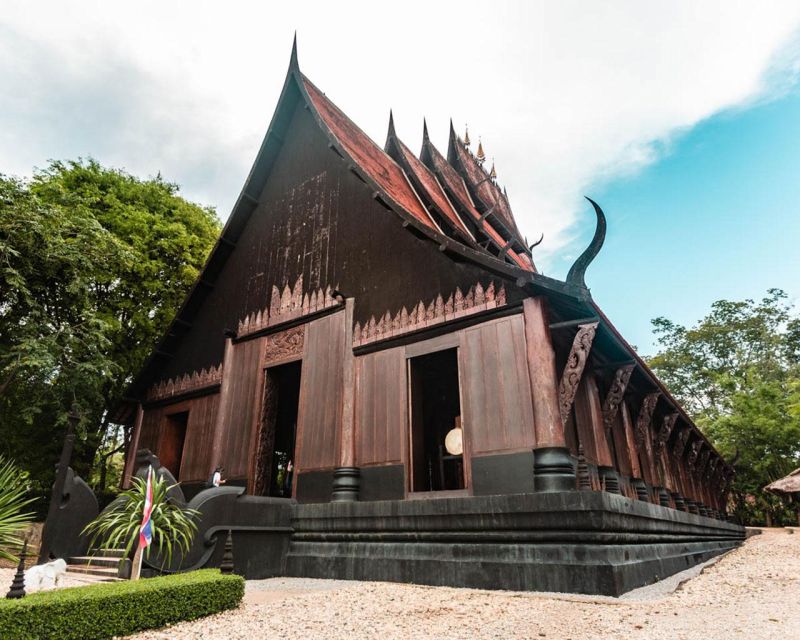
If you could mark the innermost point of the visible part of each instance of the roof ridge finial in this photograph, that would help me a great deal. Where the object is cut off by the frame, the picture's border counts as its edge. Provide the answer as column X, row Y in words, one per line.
column 493, row 173
column 480, row 156
column 293, row 64
column 391, row 133
column 467, row 141
column 424, row 130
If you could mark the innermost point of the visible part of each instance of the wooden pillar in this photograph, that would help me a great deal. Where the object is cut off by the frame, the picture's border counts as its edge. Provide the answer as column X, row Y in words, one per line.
column 643, row 443
column 592, row 433
column 220, row 424
column 347, row 477
column 552, row 465
column 636, row 453
column 613, row 424
column 661, row 453
column 133, row 446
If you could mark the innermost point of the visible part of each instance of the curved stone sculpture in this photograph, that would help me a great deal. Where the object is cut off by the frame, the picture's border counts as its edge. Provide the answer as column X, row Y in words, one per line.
column 77, row 508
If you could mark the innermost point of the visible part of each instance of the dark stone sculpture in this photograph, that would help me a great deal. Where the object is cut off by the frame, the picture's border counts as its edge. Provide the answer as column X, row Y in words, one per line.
column 76, row 507
column 18, row 584
column 226, row 566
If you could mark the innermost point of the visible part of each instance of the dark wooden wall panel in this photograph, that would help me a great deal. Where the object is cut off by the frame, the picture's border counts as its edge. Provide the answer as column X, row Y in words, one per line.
column 381, row 424
column 196, row 461
column 242, row 407
column 321, row 394
column 495, row 386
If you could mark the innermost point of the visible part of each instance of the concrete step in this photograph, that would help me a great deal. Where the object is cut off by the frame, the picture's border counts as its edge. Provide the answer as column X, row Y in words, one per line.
column 108, row 553
column 98, row 561
column 105, row 572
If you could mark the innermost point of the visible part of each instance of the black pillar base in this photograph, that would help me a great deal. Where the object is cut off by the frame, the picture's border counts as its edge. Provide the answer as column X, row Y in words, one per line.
column 641, row 489
column 346, row 484
column 663, row 497
column 680, row 503
column 691, row 505
column 610, row 479
column 553, row 470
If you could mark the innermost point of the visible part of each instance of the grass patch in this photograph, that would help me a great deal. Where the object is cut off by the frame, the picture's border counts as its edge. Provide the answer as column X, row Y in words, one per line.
column 117, row 609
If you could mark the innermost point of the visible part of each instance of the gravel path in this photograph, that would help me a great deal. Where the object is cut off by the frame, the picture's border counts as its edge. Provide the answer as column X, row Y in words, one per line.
column 751, row 593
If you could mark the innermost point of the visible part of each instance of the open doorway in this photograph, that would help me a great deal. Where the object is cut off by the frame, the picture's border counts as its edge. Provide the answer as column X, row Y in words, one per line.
column 173, row 436
column 437, row 460
column 278, row 429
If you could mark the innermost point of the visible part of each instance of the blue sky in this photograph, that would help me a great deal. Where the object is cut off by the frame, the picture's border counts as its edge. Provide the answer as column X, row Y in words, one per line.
column 717, row 217
column 680, row 117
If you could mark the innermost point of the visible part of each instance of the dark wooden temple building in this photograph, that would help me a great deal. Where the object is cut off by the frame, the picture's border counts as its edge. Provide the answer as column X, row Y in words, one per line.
column 371, row 345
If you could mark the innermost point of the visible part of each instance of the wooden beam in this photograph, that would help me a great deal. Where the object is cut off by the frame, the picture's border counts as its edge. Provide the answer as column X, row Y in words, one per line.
column 573, row 370
column 573, row 323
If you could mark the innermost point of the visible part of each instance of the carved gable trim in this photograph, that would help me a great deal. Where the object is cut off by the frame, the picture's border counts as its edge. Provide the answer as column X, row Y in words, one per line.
column 287, row 304
column 184, row 384
column 437, row 311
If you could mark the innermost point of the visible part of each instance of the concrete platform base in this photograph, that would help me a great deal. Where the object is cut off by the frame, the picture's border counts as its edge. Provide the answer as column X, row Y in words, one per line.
column 574, row 542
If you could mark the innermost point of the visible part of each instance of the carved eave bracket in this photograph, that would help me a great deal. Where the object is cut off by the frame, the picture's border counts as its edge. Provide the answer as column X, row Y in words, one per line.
column 694, row 452
column 667, row 425
column 573, row 371
column 645, row 418
column 616, row 394
column 681, row 440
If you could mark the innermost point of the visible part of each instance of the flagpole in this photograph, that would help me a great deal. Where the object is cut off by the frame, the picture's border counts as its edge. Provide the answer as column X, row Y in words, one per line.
column 145, row 530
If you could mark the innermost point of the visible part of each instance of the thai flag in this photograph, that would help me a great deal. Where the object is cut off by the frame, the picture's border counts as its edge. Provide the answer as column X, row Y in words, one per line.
column 146, row 530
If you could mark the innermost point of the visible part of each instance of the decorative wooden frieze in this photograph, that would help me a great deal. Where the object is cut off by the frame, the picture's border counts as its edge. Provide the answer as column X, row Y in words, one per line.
column 616, row 394
column 287, row 304
column 694, row 452
column 437, row 311
column 185, row 383
column 645, row 418
column 284, row 344
column 667, row 425
column 681, row 441
column 573, row 370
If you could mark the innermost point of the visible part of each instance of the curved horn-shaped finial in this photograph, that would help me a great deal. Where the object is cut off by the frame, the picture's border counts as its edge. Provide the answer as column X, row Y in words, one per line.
column 578, row 270
column 536, row 244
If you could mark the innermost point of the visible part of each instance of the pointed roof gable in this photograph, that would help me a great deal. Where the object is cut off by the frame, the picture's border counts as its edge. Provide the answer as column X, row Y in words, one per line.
column 427, row 181
column 490, row 195
column 454, row 183
column 369, row 156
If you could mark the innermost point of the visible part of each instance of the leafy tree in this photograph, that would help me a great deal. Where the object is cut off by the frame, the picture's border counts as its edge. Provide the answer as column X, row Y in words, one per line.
column 13, row 499
column 738, row 373
column 117, row 526
column 95, row 263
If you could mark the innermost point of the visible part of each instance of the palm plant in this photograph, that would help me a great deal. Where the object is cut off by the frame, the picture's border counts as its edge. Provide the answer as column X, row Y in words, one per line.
column 118, row 525
column 13, row 499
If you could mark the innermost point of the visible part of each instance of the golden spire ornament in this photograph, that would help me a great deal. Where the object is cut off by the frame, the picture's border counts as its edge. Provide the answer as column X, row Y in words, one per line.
column 467, row 141
column 493, row 173
column 481, row 156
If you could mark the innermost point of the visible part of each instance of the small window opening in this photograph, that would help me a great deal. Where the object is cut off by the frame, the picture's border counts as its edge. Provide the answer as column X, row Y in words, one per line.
column 436, row 444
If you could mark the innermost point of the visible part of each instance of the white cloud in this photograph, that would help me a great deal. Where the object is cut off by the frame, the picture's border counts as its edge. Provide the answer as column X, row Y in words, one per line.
column 565, row 95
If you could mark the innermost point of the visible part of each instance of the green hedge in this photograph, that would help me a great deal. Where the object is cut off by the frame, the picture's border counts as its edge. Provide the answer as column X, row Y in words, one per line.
column 117, row 609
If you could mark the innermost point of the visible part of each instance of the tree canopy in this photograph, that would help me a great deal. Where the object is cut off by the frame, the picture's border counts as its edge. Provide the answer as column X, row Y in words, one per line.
column 93, row 265
column 737, row 372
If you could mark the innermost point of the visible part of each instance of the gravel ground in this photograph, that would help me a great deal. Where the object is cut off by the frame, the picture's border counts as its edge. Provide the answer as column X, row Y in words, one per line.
column 752, row 593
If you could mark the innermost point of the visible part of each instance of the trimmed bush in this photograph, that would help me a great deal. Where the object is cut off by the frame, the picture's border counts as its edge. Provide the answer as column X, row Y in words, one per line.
column 106, row 610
